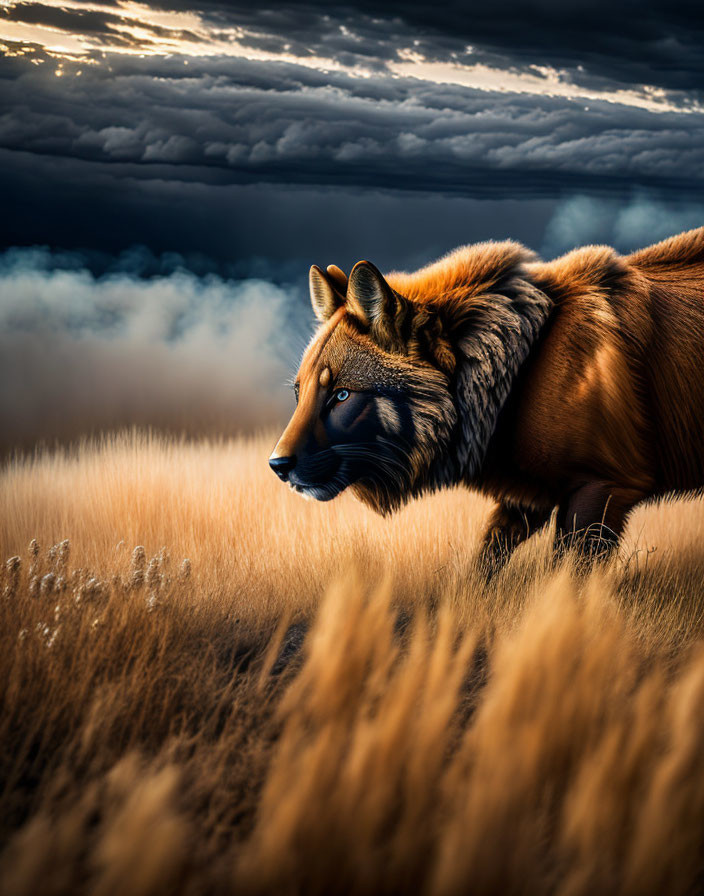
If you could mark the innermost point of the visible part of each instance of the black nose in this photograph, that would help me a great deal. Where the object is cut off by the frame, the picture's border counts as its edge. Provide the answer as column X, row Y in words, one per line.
column 282, row 466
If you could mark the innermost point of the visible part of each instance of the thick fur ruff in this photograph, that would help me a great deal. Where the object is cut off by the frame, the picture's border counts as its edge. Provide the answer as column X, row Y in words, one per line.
column 489, row 357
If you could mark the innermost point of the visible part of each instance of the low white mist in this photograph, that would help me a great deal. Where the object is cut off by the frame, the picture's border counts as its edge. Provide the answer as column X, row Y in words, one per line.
column 79, row 353
column 625, row 225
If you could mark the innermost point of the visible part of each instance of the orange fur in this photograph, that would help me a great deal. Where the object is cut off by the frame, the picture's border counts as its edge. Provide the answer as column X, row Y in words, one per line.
column 575, row 383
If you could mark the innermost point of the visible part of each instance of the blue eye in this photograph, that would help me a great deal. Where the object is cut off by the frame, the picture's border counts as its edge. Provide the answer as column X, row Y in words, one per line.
column 342, row 395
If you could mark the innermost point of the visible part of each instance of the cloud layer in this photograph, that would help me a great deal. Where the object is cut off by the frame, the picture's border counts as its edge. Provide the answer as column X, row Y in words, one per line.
column 80, row 354
column 228, row 120
column 584, row 220
column 635, row 42
column 243, row 159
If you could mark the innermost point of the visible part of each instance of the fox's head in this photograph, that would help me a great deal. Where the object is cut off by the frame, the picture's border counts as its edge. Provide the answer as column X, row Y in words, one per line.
column 401, row 388
column 374, row 409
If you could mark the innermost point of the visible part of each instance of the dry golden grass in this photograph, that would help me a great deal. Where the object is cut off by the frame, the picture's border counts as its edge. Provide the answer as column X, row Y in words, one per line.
column 435, row 734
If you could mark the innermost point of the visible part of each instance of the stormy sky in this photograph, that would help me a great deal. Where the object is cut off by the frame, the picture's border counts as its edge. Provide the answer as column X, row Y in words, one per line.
column 219, row 140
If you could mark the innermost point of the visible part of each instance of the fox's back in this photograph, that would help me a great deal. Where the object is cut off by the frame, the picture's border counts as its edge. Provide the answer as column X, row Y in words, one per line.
column 674, row 366
column 616, row 384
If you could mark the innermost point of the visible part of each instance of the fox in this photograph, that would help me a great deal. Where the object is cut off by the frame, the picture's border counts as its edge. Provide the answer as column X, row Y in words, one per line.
column 572, row 387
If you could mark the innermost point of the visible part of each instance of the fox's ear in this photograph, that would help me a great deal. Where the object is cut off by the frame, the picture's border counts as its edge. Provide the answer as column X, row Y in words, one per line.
column 396, row 323
column 325, row 293
column 338, row 277
column 373, row 301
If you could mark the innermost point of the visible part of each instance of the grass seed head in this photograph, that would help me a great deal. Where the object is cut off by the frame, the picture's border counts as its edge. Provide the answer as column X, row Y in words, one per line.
column 154, row 575
column 12, row 576
column 139, row 556
column 63, row 554
column 94, row 588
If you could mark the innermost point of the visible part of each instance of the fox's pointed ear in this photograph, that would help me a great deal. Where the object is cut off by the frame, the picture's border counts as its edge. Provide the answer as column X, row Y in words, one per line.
column 338, row 277
column 325, row 295
column 374, row 302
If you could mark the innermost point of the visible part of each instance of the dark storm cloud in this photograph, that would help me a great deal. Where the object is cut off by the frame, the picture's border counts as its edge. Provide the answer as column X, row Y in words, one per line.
column 83, row 21
column 238, row 159
column 234, row 120
column 102, row 25
column 270, row 230
column 632, row 42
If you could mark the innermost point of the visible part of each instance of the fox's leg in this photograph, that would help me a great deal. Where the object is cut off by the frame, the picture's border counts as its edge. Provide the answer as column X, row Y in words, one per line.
column 508, row 527
column 593, row 517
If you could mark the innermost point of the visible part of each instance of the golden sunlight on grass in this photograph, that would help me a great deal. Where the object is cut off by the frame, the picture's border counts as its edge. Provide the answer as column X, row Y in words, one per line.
column 210, row 685
column 252, row 543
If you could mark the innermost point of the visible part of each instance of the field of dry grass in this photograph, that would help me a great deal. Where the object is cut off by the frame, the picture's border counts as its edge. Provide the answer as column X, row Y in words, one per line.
column 164, row 731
